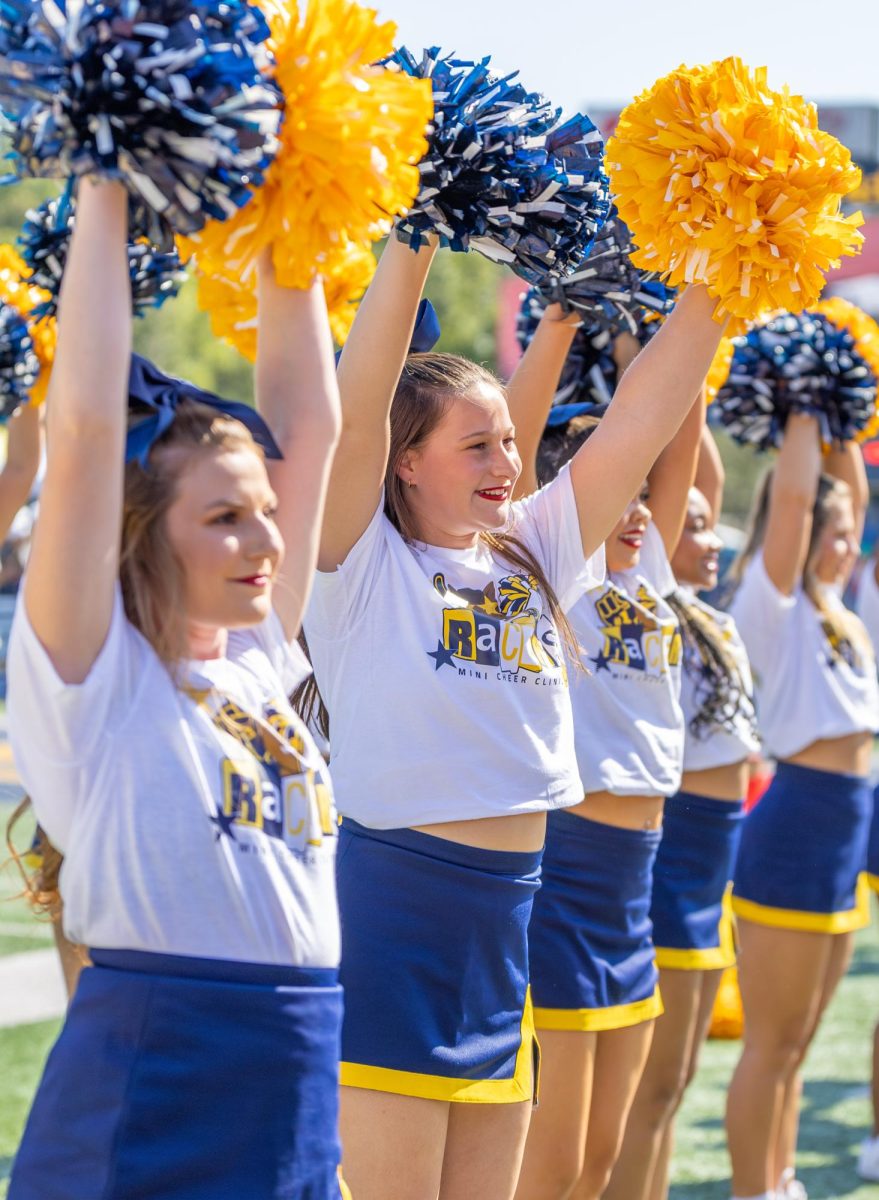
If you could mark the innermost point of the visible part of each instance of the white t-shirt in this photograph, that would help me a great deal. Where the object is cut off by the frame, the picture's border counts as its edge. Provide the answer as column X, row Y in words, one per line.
column 176, row 837
column 719, row 744
column 868, row 602
column 805, row 687
column 444, row 675
column 627, row 710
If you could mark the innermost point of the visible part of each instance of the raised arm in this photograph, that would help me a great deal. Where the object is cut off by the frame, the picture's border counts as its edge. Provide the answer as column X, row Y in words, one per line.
column 847, row 463
column 21, row 466
column 650, row 402
column 533, row 385
column 791, row 502
column 710, row 473
column 369, row 370
column 673, row 474
column 73, row 565
column 297, row 393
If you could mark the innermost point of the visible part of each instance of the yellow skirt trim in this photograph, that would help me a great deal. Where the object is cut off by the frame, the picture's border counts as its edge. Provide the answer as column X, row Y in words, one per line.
column 711, row 958
column 811, row 922
column 873, row 882
column 520, row 1087
column 597, row 1020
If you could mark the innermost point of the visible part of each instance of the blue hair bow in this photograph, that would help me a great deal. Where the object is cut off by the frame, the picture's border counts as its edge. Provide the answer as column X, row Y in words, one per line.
column 150, row 388
column 426, row 333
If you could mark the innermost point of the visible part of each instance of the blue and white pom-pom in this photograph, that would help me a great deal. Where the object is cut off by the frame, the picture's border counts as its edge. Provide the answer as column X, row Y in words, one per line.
column 607, row 290
column 19, row 365
column 156, row 271
column 501, row 176
column 170, row 96
column 589, row 376
column 796, row 364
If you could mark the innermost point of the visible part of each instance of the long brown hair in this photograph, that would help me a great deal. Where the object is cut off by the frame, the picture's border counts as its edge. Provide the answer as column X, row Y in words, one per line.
column 150, row 573
column 428, row 384
column 844, row 631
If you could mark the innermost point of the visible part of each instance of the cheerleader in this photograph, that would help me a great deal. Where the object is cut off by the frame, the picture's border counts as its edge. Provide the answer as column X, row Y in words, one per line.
column 868, row 610
column 593, row 973
column 692, row 926
column 436, row 631
column 152, row 650
column 797, row 892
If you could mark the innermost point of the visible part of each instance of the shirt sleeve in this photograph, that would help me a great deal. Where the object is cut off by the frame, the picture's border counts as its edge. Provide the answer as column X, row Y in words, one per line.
column 653, row 562
column 547, row 522
column 58, row 730
column 759, row 610
column 339, row 598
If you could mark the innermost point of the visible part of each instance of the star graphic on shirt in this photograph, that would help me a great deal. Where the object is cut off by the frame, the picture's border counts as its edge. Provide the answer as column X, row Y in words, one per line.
column 490, row 608
column 223, row 823
column 602, row 661
column 442, row 656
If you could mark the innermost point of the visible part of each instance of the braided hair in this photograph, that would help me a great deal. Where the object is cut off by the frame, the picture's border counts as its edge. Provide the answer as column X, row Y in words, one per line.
column 721, row 695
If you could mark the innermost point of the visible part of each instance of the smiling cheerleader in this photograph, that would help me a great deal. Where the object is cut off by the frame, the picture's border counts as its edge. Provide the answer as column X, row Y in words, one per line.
column 437, row 630
column 148, row 717
column 692, row 925
column 593, row 971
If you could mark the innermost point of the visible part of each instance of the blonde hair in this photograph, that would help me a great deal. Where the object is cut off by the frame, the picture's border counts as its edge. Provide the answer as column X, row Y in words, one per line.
column 150, row 572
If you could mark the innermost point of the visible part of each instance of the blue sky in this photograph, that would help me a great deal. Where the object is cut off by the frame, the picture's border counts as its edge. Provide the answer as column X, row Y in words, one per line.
column 578, row 52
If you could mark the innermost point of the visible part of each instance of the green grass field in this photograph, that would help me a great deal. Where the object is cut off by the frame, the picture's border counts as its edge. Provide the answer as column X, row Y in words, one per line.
column 836, row 1110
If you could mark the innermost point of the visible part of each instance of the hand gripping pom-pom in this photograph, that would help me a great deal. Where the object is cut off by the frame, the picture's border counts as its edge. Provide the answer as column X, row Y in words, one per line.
column 172, row 97
column 607, row 289
column 27, row 301
column 500, row 175
column 353, row 135
column 232, row 306
column 728, row 183
column 19, row 365
column 589, row 375
column 155, row 270
column 801, row 363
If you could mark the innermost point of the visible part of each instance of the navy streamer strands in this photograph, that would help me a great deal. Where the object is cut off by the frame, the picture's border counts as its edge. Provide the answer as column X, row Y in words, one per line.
column 171, row 97
column 156, row 271
column 589, row 375
column 19, row 365
column 158, row 395
column 607, row 289
column 795, row 364
column 501, row 176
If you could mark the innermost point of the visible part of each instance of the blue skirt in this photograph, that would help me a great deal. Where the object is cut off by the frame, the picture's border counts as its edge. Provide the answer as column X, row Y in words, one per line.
column 873, row 846
column 692, row 919
column 435, row 966
column 168, row 1082
column 593, row 965
column 802, row 854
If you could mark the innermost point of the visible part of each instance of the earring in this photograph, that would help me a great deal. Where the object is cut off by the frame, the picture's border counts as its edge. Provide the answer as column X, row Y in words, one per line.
column 411, row 484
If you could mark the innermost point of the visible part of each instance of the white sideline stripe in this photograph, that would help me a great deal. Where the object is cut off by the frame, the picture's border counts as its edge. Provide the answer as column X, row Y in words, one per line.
column 31, row 988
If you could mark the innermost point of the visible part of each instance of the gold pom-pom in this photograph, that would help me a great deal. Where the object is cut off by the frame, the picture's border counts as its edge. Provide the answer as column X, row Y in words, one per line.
column 351, row 139
column 865, row 332
column 718, row 372
column 725, row 182
column 232, row 306
column 727, row 1017
column 24, row 297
